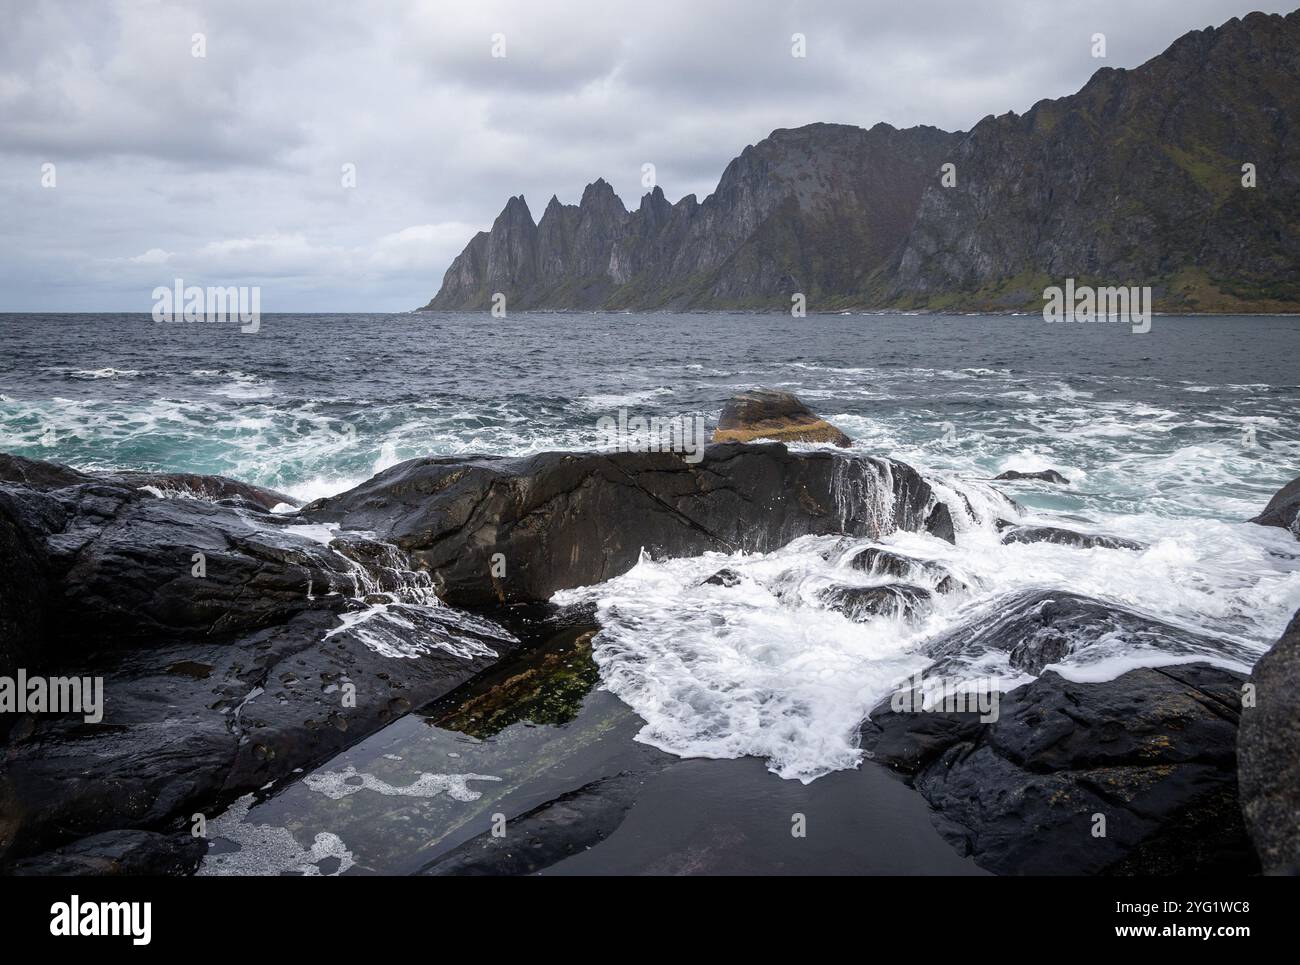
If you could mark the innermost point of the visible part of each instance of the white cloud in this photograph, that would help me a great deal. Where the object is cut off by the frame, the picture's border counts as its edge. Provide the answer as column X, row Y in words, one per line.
column 154, row 256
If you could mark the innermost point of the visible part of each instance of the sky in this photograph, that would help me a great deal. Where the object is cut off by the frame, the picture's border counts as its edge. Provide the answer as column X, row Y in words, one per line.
column 127, row 160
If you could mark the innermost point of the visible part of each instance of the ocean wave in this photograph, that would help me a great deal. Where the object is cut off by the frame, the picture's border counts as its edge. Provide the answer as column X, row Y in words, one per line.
column 602, row 402
column 763, row 668
column 95, row 374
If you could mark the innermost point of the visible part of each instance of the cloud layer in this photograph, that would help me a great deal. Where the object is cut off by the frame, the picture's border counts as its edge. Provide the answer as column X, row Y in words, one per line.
column 229, row 168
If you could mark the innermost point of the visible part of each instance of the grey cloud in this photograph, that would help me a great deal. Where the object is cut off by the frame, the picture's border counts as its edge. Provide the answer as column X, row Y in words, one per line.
column 231, row 165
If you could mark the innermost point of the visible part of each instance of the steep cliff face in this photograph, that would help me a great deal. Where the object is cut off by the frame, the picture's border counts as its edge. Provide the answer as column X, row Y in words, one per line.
column 1136, row 179
column 816, row 210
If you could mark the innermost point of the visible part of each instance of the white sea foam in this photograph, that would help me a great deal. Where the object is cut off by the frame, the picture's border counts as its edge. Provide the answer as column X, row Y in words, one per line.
column 337, row 785
column 765, row 669
column 268, row 850
column 322, row 533
column 93, row 374
column 726, row 672
column 409, row 631
column 615, row 400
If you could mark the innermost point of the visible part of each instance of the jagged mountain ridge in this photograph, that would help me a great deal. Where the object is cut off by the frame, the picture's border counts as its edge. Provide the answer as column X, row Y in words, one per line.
column 1135, row 179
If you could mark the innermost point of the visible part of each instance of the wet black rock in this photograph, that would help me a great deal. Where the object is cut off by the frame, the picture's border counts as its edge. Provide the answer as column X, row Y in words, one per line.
column 216, row 632
column 218, row 683
column 861, row 603
column 37, row 474
column 48, row 475
column 1068, row 537
column 882, row 562
column 1269, row 757
column 188, row 727
column 512, row 530
column 724, row 577
column 123, row 852
column 1044, row 475
column 1151, row 753
column 939, row 523
column 1041, row 627
column 235, row 644
column 23, row 591
column 1283, row 509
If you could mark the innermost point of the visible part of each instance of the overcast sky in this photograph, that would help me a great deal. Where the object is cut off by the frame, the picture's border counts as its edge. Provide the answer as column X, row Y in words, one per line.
column 227, row 169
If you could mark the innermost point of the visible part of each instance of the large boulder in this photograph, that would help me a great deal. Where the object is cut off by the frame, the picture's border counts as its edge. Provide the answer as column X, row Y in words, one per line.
column 279, row 646
column 1283, row 509
column 1132, row 776
column 513, row 530
column 770, row 414
column 1269, row 755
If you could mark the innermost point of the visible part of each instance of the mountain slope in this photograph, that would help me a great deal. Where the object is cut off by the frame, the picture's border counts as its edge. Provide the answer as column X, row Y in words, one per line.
column 1136, row 179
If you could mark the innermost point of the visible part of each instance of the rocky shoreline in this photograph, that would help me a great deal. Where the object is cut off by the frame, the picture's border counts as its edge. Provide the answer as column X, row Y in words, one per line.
column 240, row 647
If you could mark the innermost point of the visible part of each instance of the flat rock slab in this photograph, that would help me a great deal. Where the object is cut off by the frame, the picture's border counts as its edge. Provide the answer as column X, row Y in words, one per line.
column 190, row 726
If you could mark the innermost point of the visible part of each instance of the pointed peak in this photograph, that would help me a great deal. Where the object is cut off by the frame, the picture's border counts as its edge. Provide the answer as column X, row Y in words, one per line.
column 599, row 189
column 654, row 200
column 515, row 211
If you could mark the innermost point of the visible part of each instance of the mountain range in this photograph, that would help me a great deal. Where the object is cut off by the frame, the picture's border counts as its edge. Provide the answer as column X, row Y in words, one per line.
column 1139, row 179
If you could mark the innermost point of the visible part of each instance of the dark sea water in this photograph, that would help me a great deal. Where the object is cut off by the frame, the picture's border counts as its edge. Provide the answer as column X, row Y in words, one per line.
column 314, row 403
column 1174, row 438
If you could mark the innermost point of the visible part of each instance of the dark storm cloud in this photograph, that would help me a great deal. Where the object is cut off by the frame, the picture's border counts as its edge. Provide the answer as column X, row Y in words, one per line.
column 227, row 169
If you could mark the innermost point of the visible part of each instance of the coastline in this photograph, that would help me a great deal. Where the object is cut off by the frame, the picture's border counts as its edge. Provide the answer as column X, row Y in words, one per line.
column 280, row 747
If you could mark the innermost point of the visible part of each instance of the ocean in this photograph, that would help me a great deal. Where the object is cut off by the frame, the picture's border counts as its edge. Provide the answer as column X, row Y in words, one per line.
column 1173, row 438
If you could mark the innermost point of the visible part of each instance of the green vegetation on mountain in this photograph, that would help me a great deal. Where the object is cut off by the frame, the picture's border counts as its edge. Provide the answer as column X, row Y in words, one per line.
column 1137, row 179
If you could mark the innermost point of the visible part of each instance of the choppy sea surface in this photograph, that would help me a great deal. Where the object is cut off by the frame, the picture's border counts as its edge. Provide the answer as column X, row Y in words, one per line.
column 1173, row 438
